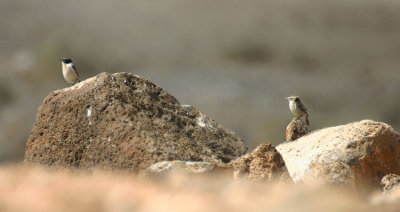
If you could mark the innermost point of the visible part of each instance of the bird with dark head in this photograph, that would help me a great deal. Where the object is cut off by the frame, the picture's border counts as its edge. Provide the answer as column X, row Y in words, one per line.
column 69, row 71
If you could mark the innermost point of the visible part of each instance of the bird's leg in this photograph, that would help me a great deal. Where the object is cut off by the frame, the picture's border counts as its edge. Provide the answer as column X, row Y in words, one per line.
column 306, row 118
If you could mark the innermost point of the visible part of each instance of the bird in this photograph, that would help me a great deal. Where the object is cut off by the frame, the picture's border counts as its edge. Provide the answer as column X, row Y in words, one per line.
column 69, row 71
column 297, row 108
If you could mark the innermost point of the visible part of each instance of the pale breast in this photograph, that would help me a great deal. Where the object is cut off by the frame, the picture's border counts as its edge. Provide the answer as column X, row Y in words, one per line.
column 295, row 110
column 69, row 73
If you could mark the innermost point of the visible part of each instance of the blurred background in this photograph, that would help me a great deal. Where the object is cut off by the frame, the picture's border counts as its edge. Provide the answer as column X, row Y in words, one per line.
column 234, row 60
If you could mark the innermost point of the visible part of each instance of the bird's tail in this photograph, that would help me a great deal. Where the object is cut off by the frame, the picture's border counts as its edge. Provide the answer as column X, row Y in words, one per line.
column 306, row 117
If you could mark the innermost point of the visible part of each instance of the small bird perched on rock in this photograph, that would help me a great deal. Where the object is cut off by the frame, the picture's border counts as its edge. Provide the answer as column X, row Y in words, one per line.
column 69, row 71
column 297, row 108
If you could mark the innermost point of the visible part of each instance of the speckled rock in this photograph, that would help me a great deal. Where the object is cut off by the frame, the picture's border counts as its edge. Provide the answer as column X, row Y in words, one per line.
column 123, row 121
column 262, row 165
column 296, row 129
column 189, row 167
column 356, row 155
column 390, row 195
column 390, row 182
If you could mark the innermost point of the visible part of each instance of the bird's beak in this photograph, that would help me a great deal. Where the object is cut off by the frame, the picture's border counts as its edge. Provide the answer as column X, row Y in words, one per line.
column 287, row 98
column 61, row 59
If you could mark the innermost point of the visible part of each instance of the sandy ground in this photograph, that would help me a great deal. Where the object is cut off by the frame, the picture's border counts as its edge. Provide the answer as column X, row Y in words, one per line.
column 38, row 189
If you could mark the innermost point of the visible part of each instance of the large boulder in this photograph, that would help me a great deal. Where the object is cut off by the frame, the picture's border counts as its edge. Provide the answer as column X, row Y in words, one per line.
column 356, row 155
column 123, row 121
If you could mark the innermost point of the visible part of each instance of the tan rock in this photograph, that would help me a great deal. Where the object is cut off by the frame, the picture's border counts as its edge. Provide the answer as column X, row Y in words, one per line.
column 188, row 167
column 390, row 182
column 390, row 194
column 263, row 164
column 123, row 121
column 296, row 129
column 356, row 155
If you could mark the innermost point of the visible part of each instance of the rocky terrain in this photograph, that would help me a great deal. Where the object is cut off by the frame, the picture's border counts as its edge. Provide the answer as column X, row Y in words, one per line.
column 118, row 142
column 213, row 77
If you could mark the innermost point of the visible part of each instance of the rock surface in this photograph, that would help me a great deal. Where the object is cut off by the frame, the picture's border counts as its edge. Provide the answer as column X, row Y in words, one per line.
column 296, row 129
column 188, row 167
column 123, row 121
column 390, row 194
column 263, row 164
column 390, row 182
column 358, row 155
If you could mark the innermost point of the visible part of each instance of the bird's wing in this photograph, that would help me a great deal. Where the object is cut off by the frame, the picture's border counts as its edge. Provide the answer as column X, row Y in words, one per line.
column 76, row 71
column 303, row 107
